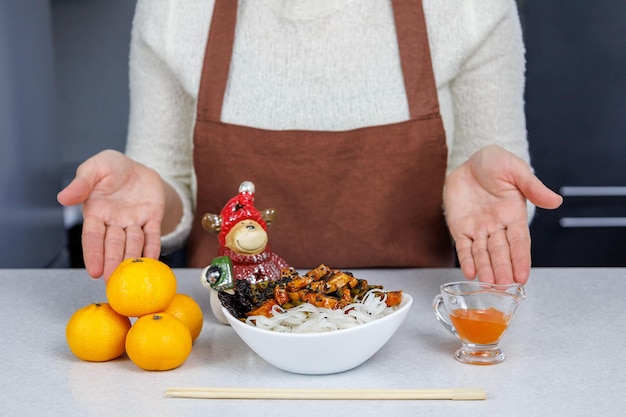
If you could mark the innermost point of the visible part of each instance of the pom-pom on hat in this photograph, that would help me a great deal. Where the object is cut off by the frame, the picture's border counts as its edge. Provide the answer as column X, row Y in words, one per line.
column 240, row 207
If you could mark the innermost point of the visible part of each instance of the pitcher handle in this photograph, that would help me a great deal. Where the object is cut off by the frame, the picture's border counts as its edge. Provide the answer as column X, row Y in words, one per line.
column 442, row 317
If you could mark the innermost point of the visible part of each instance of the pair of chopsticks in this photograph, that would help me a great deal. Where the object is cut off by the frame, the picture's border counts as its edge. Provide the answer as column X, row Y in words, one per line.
column 327, row 393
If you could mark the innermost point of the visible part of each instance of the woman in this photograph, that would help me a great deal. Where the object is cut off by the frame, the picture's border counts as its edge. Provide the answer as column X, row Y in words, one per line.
column 357, row 120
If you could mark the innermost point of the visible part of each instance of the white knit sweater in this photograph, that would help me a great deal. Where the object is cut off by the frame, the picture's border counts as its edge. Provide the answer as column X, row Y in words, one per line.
column 321, row 65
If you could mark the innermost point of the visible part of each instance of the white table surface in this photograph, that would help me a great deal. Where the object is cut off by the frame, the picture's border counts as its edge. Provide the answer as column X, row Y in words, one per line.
column 565, row 353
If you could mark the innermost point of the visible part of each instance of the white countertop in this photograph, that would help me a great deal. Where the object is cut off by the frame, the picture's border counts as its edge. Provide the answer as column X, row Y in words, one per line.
column 565, row 355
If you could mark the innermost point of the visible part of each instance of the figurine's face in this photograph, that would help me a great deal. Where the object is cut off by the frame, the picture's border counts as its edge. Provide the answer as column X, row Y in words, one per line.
column 247, row 237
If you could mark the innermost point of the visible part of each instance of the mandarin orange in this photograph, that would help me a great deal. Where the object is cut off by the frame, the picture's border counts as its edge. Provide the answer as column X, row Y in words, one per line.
column 97, row 333
column 140, row 286
column 158, row 342
column 185, row 309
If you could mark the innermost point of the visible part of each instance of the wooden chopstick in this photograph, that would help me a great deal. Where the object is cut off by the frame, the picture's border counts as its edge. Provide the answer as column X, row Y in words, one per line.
column 327, row 393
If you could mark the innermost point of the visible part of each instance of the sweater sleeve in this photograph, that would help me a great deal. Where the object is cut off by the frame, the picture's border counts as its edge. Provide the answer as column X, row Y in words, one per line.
column 482, row 86
column 161, row 112
column 488, row 92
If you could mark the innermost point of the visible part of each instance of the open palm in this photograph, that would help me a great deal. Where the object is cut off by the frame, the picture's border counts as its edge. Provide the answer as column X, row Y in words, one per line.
column 123, row 205
column 485, row 203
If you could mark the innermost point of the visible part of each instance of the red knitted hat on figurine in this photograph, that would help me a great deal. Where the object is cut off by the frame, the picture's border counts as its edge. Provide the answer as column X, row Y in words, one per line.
column 240, row 207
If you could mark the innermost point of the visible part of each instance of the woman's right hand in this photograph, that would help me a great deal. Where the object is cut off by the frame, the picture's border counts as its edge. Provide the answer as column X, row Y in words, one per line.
column 123, row 207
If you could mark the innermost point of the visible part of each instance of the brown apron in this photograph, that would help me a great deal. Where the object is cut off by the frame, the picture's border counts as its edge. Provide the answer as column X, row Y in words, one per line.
column 369, row 197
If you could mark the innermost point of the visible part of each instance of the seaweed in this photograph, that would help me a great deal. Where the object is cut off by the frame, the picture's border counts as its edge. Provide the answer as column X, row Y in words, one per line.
column 247, row 296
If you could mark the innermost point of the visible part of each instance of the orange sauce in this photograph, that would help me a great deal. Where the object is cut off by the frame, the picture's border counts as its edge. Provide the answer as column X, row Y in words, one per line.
column 479, row 326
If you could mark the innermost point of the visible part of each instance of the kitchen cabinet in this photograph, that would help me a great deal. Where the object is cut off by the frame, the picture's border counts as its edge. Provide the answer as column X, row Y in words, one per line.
column 576, row 112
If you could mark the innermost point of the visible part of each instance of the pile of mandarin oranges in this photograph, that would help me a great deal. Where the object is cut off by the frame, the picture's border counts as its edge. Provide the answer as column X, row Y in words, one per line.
column 167, row 323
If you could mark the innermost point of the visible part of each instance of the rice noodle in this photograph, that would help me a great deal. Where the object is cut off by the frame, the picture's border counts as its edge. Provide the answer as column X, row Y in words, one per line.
column 307, row 318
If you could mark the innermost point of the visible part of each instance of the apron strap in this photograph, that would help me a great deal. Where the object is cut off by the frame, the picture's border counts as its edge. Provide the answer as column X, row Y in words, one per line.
column 419, row 79
column 413, row 47
column 217, row 57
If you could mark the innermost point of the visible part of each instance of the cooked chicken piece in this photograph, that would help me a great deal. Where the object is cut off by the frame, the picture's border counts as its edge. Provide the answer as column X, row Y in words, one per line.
column 339, row 280
column 280, row 294
column 287, row 273
column 319, row 272
column 346, row 297
column 319, row 300
column 298, row 283
column 393, row 298
column 264, row 309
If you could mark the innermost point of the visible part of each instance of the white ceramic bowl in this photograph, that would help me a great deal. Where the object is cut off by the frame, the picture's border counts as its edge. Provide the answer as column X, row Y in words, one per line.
column 296, row 352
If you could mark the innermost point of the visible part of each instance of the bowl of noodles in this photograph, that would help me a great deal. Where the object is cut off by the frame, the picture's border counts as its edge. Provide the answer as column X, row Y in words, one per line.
column 314, row 340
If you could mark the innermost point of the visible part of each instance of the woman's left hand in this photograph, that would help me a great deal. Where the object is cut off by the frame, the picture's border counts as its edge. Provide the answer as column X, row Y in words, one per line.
column 485, row 204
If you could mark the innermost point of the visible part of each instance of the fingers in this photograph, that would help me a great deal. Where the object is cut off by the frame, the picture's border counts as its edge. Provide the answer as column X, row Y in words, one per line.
column 114, row 245
column 532, row 187
column 134, row 238
column 518, row 236
column 93, row 246
column 90, row 173
column 130, row 242
column 152, row 242
column 502, row 257
column 540, row 195
column 482, row 259
column 87, row 176
column 104, row 247
column 501, row 268
column 75, row 193
column 466, row 259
